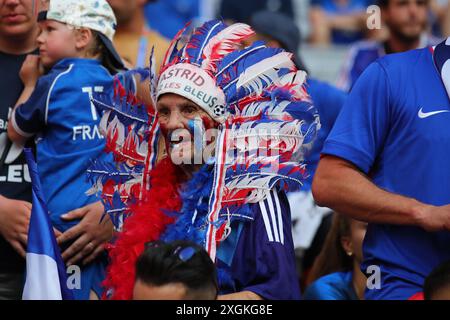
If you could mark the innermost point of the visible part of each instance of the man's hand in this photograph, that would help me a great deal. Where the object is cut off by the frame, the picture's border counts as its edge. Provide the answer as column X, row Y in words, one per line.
column 14, row 221
column 89, row 234
column 31, row 70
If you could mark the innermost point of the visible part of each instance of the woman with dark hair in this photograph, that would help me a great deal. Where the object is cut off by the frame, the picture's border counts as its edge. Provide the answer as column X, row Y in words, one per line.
column 336, row 273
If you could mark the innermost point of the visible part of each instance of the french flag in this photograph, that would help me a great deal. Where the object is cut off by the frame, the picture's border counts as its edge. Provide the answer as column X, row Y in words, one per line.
column 46, row 273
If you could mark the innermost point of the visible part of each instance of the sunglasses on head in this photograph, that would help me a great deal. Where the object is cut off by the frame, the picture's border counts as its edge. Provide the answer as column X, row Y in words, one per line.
column 182, row 253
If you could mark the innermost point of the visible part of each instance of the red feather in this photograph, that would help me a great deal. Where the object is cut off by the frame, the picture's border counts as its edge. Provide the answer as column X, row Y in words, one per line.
column 146, row 223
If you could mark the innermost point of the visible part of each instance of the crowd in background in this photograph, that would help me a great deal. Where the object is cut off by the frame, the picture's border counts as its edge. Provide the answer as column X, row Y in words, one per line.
column 330, row 39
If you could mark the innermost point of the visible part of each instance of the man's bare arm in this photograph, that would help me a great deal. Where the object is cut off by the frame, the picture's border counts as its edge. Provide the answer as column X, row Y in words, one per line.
column 338, row 184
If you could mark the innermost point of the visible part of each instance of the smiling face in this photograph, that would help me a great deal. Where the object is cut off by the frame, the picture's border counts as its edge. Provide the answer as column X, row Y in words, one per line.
column 179, row 118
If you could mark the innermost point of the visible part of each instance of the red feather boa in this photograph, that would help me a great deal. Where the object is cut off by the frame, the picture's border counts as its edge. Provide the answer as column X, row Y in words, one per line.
column 146, row 223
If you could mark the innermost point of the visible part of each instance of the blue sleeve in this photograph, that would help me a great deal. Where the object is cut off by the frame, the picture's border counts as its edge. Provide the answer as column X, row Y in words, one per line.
column 334, row 286
column 361, row 127
column 29, row 118
column 321, row 290
column 267, row 252
column 328, row 100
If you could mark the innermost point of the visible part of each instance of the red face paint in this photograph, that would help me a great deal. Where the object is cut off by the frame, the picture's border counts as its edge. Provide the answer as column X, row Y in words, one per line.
column 208, row 122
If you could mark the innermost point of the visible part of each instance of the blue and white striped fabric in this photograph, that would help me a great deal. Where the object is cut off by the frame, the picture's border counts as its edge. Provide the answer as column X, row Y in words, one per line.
column 46, row 274
column 272, row 217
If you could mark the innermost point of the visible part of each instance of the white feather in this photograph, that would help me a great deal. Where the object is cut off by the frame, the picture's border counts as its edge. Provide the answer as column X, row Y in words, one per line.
column 224, row 42
column 266, row 70
column 153, row 79
column 104, row 122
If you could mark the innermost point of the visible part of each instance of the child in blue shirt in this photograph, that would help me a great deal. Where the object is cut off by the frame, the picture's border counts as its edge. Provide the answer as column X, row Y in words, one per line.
column 76, row 48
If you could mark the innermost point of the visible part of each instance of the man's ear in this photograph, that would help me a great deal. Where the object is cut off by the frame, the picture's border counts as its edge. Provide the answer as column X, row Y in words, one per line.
column 347, row 244
column 83, row 38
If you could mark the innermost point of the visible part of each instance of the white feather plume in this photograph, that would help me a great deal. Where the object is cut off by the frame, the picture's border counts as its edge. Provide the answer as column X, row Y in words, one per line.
column 223, row 43
column 266, row 70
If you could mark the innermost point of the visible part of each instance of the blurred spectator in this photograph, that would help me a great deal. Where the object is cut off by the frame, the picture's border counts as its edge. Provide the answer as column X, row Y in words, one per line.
column 337, row 21
column 336, row 273
column 241, row 11
column 169, row 16
column 407, row 23
column 280, row 31
column 437, row 284
column 439, row 17
column 134, row 39
column 18, row 33
column 181, row 270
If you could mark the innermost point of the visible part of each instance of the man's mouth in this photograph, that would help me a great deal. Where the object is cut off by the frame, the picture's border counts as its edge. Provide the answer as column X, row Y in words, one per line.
column 177, row 139
column 14, row 18
column 179, row 144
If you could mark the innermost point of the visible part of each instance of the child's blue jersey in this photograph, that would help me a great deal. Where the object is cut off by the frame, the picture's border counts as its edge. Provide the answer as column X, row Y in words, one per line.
column 61, row 112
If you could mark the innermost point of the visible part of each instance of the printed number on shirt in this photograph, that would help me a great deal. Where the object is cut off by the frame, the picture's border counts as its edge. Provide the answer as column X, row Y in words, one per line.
column 88, row 132
column 89, row 91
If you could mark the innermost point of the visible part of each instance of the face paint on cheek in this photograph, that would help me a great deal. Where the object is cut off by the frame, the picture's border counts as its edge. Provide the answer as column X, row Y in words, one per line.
column 197, row 129
column 208, row 123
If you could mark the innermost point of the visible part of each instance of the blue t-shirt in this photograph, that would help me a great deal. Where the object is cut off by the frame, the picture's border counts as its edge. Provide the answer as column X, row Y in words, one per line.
column 170, row 16
column 360, row 56
column 333, row 8
column 363, row 53
column 328, row 100
column 383, row 131
column 61, row 113
column 259, row 254
column 334, row 286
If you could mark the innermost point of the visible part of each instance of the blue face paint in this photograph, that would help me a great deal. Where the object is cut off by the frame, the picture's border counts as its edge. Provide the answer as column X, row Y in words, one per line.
column 197, row 129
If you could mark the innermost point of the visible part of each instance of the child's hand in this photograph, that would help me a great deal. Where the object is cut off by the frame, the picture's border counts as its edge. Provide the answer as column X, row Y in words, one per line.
column 30, row 71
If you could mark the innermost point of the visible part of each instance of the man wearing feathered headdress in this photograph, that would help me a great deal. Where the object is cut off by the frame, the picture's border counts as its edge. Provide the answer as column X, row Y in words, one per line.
column 234, row 121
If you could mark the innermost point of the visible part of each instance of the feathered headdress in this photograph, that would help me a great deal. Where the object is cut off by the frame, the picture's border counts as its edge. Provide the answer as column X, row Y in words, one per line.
column 257, row 96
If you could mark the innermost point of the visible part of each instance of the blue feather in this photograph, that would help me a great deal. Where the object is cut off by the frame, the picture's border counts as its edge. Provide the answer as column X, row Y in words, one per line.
column 199, row 39
column 228, row 79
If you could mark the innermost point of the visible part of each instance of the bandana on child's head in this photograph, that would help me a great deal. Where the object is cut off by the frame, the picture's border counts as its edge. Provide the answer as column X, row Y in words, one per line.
column 96, row 15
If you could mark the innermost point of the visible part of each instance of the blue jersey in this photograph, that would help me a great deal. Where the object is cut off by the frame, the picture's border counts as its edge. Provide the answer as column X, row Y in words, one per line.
column 383, row 131
column 334, row 286
column 259, row 254
column 61, row 113
column 328, row 101
column 362, row 54
column 333, row 8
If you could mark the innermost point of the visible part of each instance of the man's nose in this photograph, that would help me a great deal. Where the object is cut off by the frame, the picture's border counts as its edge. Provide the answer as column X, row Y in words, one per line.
column 414, row 7
column 175, row 121
column 12, row 2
